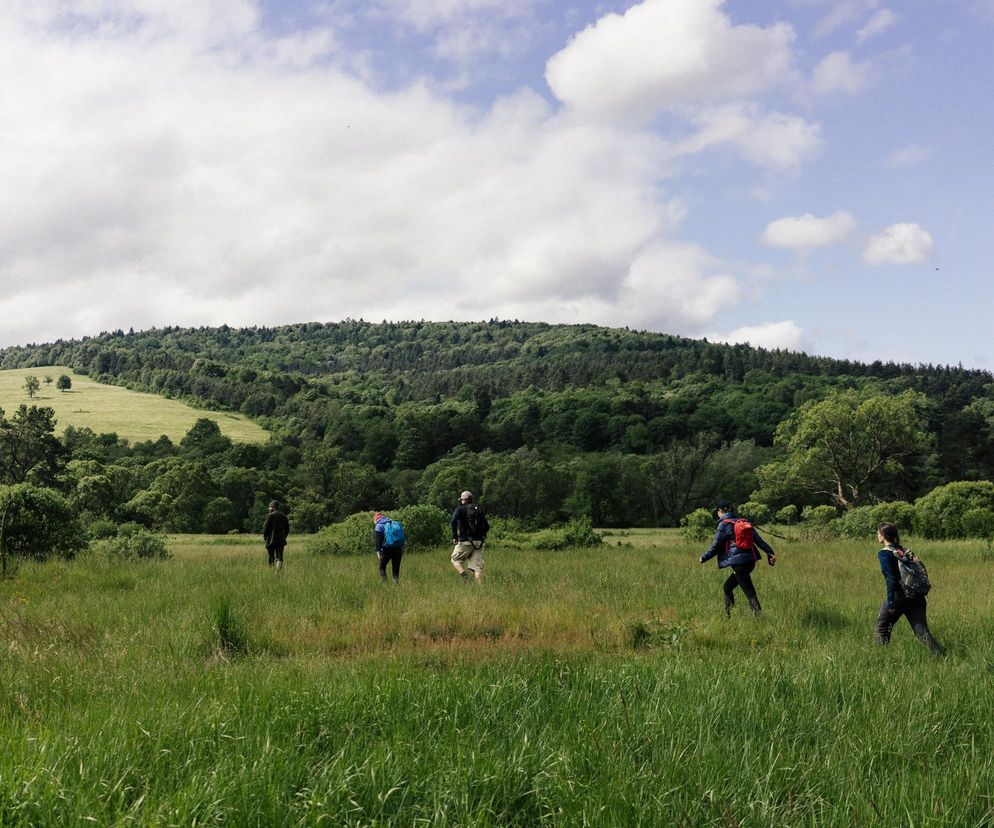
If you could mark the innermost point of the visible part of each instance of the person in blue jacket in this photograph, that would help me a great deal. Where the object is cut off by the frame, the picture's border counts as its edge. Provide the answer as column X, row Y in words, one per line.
column 741, row 561
column 897, row 603
column 386, row 554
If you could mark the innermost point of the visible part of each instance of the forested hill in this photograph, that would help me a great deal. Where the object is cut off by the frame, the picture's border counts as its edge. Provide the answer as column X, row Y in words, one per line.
column 402, row 402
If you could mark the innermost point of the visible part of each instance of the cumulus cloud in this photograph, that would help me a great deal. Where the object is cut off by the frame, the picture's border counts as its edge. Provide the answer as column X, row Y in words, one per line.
column 786, row 335
column 837, row 73
column 661, row 53
column 905, row 243
column 807, row 231
column 843, row 12
column 880, row 22
column 162, row 170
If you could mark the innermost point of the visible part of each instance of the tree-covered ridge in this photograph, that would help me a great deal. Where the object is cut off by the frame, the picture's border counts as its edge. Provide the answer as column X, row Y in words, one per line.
column 547, row 421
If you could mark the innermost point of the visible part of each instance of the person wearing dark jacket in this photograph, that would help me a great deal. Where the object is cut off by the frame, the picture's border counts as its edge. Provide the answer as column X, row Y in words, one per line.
column 469, row 535
column 897, row 603
column 741, row 561
column 274, row 532
column 384, row 553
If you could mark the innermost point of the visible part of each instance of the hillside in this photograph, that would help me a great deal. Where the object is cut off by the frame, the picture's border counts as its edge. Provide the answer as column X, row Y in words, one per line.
column 547, row 421
column 107, row 408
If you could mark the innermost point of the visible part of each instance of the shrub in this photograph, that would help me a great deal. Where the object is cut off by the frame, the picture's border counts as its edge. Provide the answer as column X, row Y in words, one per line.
column 788, row 515
column 939, row 514
column 820, row 516
column 698, row 526
column 755, row 512
column 426, row 527
column 40, row 522
column 898, row 512
column 101, row 529
column 858, row 523
column 573, row 533
column 133, row 542
column 978, row 523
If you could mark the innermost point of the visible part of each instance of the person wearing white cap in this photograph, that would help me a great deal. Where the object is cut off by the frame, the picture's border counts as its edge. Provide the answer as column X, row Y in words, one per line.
column 469, row 536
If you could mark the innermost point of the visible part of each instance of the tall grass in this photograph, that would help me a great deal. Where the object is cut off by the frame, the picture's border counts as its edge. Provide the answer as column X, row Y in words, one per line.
column 598, row 687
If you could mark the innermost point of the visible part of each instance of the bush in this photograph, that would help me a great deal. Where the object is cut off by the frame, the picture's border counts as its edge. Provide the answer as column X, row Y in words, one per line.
column 788, row 515
column 698, row 526
column 573, row 533
column 40, row 522
column 939, row 514
column 101, row 529
column 426, row 527
column 133, row 542
column 755, row 512
column 978, row 523
column 898, row 512
column 858, row 523
column 821, row 516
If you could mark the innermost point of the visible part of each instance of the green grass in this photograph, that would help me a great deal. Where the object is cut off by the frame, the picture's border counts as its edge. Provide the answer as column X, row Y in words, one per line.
column 589, row 687
column 109, row 408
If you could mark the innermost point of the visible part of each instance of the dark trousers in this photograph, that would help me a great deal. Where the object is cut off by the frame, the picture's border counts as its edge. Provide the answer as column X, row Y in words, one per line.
column 914, row 610
column 275, row 554
column 741, row 577
column 391, row 556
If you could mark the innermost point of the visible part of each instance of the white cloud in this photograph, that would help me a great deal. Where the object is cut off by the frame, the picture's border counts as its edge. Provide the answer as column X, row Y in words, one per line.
column 802, row 232
column 769, row 139
column 786, row 335
column 160, row 173
column 899, row 244
column 662, row 53
column 881, row 21
column 843, row 12
column 837, row 73
column 908, row 156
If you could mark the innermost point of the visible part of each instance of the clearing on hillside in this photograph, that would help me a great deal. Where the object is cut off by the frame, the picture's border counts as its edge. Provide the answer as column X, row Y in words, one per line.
column 109, row 408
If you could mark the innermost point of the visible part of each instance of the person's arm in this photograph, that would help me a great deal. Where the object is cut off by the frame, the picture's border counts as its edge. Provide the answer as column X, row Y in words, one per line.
column 379, row 536
column 886, row 558
column 267, row 527
column 762, row 544
column 455, row 525
column 720, row 542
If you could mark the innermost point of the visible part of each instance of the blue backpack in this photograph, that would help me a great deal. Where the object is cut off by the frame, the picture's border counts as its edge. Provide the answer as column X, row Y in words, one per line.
column 393, row 534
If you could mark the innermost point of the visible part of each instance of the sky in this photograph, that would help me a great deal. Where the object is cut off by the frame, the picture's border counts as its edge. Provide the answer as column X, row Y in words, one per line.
column 815, row 175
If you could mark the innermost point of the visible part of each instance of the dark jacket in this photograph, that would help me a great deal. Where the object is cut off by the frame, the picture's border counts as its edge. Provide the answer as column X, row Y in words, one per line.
column 892, row 576
column 275, row 530
column 724, row 546
column 460, row 525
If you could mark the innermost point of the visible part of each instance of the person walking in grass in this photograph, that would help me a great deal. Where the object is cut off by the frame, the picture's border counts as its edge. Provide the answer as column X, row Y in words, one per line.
column 469, row 536
column 898, row 602
column 737, row 544
column 274, row 532
column 389, row 544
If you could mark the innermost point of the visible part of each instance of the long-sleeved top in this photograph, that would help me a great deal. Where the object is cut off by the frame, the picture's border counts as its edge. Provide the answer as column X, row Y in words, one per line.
column 892, row 575
column 380, row 534
column 460, row 525
column 724, row 546
column 275, row 529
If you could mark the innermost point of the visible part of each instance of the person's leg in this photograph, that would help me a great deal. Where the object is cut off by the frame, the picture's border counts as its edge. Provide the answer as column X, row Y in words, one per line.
column 885, row 623
column 728, row 588
column 279, row 557
column 460, row 552
column 743, row 574
column 271, row 552
column 475, row 561
column 382, row 558
column 916, row 615
column 395, row 563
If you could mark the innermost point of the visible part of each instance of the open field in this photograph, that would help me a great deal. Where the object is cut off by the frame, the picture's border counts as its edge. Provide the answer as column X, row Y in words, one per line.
column 109, row 408
column 589, row 687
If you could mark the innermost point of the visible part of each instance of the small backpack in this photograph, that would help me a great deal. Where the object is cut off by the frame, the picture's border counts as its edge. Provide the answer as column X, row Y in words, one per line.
column 477, row 523
column 745, row 536
column 393, row 534
column 914, row 575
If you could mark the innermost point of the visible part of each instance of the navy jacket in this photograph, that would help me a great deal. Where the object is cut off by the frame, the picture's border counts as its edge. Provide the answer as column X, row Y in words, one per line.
column 460, row 525
column 892, row 575
column 724, row 546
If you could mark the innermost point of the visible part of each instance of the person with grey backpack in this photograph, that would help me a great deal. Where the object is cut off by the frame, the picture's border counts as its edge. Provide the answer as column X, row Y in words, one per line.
column 907, row 585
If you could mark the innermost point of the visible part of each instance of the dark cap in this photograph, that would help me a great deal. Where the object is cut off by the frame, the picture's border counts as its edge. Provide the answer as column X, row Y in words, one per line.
column 723, row 505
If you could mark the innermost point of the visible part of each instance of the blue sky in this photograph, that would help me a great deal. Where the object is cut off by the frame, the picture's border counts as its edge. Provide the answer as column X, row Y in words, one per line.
column 810, row 174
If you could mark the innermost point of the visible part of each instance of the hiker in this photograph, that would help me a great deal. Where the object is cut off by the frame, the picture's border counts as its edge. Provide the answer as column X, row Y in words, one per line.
column 469, row 535
column 898, row 603
column 388, row 539
column 274, row 533
column 735, row 543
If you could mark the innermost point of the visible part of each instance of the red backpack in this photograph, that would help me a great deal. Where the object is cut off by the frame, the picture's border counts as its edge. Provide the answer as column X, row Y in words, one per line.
column 745, row 537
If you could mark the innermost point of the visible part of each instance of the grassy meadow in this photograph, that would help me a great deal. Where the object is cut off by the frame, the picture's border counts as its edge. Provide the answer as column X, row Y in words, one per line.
column 110, row 408
column 588, row 687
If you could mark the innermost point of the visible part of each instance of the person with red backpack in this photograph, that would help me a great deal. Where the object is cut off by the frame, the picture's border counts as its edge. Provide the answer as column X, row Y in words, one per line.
column 737, row 545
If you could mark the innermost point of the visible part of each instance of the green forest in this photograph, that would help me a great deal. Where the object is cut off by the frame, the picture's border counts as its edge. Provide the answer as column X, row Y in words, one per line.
column 545, row 423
